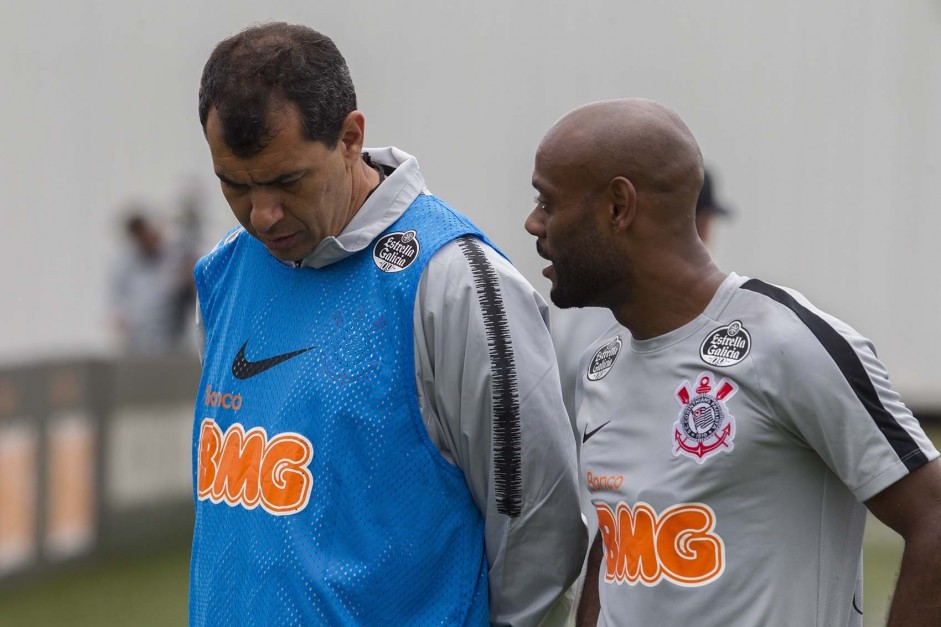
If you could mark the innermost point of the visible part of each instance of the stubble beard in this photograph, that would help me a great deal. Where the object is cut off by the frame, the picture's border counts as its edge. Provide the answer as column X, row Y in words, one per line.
column 585, row 276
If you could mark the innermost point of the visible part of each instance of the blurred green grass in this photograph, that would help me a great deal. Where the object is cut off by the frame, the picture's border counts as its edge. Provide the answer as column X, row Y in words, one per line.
column 142, row 591
column 151, row 590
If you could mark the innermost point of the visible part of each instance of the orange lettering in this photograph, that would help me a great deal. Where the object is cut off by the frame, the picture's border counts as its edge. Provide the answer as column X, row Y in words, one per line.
column 222, row 399
column 689, row 552
column 237, row 473
column 679, row 545
column 604, row 482
column 636, row 537
column 246, row 469
column 285, row 484
column 607, row 526
column 210, row 440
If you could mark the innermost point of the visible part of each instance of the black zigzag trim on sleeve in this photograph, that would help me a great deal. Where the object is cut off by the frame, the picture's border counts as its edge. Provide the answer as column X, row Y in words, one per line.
column 853, row 371
column 506, row 407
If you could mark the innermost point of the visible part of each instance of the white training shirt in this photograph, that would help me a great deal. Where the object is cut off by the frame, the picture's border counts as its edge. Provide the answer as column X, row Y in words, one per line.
column 728, row 461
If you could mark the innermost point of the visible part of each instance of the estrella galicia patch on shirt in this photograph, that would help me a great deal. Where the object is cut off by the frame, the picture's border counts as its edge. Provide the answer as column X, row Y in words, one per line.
column 726, row 346
column 704, row 427
column 603, row 359
column 396, row 251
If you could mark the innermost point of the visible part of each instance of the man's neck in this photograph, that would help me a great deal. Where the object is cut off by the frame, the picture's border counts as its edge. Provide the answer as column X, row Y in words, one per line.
column 365, row 180
column 667, row 300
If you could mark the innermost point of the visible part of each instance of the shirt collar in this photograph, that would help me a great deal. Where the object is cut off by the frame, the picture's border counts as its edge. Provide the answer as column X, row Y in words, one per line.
column 383, row 207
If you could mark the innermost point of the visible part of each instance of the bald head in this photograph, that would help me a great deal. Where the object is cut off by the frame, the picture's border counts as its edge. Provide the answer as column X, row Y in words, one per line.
column 640, row 140
column 617, row 183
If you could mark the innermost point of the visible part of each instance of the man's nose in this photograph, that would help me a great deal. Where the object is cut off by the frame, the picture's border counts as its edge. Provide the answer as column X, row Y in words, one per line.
column 535, row 225
column 266, row 209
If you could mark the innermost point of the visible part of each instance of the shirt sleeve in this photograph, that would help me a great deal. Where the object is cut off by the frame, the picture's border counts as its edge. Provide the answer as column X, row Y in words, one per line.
column 200, row 331
column 827, row 385
column 489, row 393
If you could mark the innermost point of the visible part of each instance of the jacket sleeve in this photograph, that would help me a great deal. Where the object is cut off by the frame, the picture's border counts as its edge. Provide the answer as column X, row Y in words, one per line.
column 489, row 393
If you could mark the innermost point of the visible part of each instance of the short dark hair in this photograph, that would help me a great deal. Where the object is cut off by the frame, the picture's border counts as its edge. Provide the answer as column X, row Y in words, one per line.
column 271, row 64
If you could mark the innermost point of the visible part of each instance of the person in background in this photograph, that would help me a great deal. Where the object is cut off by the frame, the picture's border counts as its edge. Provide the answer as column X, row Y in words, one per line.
column 736, row 434
column 145, row 289
column 380, row 437
column 708, row 209
column 189, row 243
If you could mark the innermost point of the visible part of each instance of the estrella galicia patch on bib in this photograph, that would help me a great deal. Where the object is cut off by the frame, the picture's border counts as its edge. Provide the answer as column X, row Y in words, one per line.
column 603, row 359
column 396, row 251
column 704, row 427
column 726, row 346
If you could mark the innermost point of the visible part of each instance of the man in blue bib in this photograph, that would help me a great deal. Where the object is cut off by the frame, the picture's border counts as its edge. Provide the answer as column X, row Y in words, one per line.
column 379, row 437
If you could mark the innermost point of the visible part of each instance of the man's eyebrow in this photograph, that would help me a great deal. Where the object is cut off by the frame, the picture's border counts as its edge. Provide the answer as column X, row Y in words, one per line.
column 284, row 178
column 227, row 180
column 278, row 180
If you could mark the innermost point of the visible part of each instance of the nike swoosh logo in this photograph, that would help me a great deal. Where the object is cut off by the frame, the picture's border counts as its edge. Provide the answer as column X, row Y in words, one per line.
column 245, row 369
column 588, row 433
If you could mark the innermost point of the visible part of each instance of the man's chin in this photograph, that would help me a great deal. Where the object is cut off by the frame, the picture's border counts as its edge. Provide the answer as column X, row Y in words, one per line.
column 562, row 299
column 572, row 299
column 292, row 254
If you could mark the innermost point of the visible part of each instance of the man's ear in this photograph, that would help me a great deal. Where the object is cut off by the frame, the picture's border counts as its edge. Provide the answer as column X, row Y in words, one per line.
column 353, row 135
column 623, row 197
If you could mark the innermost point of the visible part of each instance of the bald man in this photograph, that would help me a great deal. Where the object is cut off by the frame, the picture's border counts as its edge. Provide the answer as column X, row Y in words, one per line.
column 736, row 434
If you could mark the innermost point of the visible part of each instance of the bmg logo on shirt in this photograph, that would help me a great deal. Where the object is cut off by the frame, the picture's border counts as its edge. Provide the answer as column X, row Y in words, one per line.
column 679, row 545
column 248, row 469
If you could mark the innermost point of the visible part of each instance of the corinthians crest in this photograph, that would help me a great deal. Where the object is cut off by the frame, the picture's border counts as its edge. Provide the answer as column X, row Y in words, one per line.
column 705, row 427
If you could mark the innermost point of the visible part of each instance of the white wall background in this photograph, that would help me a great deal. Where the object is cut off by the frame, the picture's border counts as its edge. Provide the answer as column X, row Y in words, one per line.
column 820, row 118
